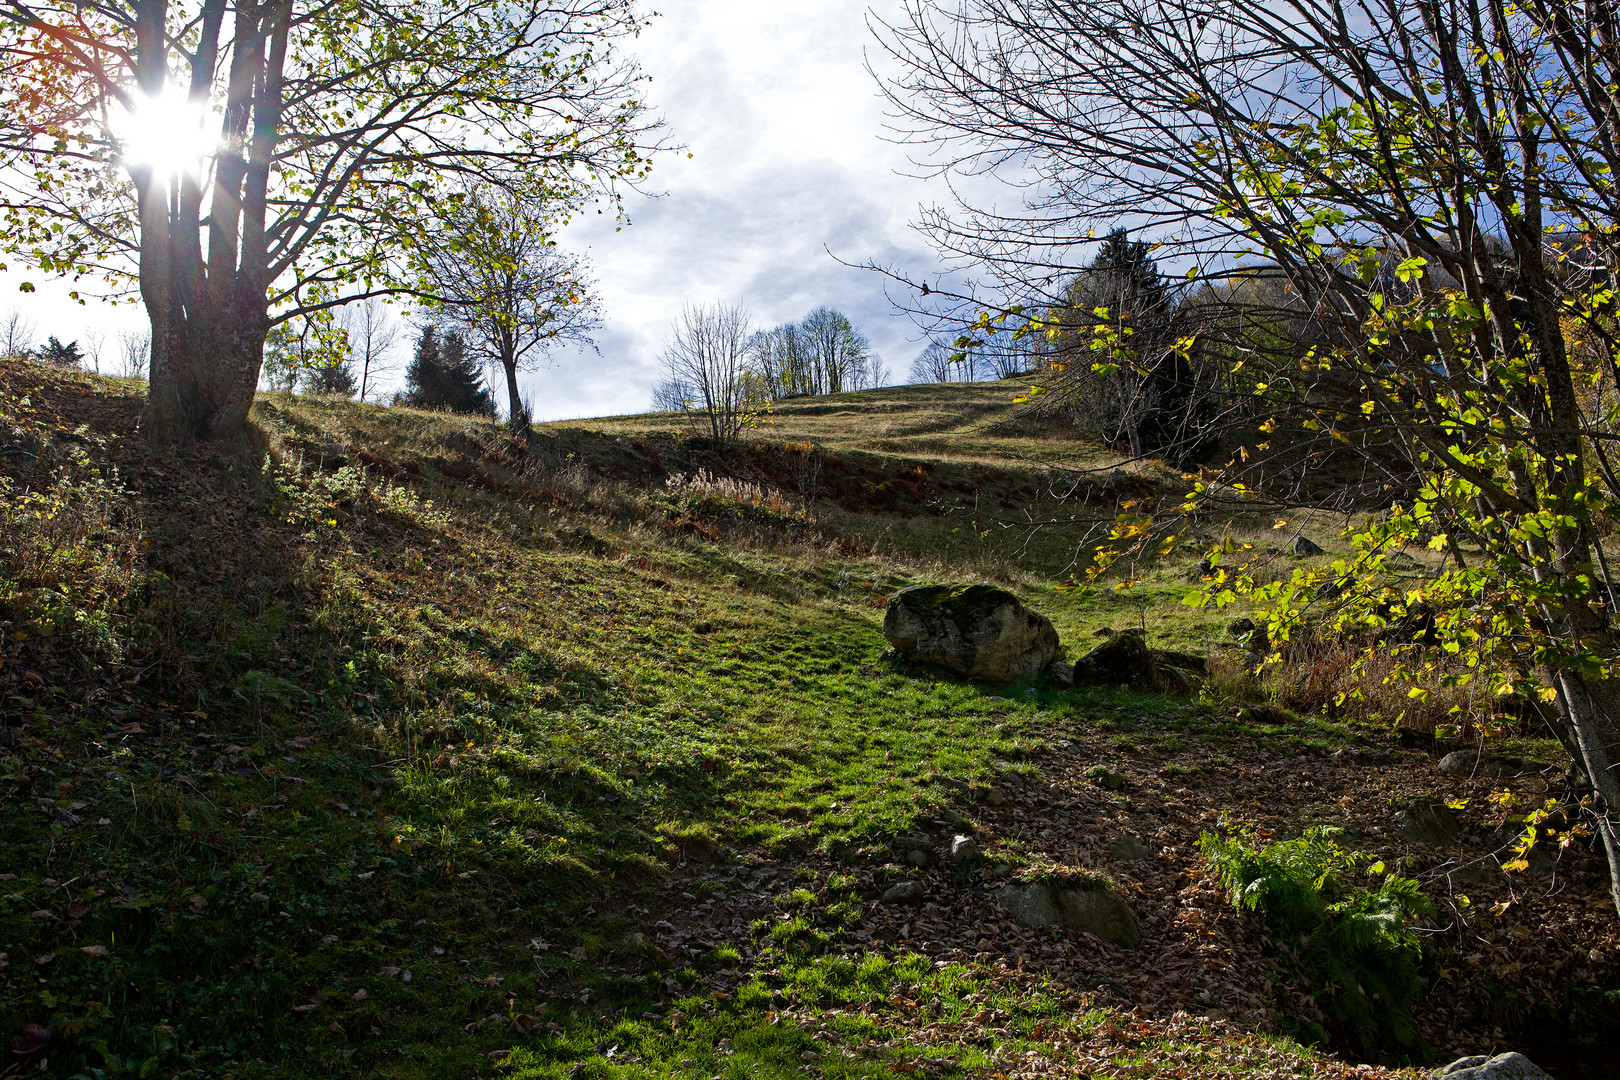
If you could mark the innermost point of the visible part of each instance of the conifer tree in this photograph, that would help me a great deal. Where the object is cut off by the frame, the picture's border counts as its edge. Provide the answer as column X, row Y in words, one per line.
column 443, row 376
column 334, row 376
column 54, row 352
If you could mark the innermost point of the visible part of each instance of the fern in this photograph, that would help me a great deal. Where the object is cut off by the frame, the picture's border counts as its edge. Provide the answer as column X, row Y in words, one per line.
column 1355, row 950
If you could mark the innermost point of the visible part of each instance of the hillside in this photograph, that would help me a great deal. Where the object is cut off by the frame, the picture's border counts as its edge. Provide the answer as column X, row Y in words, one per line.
column 959, row 422
column 380, row 745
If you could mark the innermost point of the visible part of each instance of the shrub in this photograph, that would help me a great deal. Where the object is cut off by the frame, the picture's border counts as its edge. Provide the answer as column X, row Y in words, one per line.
column 1358, row 678
column 1351, row 947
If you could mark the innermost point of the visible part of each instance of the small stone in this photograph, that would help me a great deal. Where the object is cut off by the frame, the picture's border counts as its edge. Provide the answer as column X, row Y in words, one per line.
column 1129, row 849
column 907, row 892
column 1305, row 546
column 964, row 850
column 1500, row 1067
column 1105, row 777
column 917, row 857
column 1429, row 821
column 1061, row 673
column 1122, row 660
column 1470, row 763
column 979, row 631
column 992, row 796
column 1175, row 682
column 1090, row 907
column 1470, row 875
column 1269, row 715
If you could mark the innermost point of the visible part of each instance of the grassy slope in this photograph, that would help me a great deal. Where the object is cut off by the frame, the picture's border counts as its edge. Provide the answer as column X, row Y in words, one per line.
column 968, row 422
column 376, row 748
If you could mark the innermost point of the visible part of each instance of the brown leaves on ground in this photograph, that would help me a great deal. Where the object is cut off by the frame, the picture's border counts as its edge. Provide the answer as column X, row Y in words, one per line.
column 1199, row 957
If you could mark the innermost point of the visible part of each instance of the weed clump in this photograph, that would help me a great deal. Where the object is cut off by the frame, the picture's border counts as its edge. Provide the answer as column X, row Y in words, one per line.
column 714, row 505
column 1352, row 947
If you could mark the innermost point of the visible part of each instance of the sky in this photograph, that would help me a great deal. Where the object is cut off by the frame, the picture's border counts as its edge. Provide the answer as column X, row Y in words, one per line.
column 789, row 169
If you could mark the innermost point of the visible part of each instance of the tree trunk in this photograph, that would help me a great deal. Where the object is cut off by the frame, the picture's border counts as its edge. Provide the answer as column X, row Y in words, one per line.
column 205, row 369
column 209, row 316
column 517, row 416
column 1592, row 708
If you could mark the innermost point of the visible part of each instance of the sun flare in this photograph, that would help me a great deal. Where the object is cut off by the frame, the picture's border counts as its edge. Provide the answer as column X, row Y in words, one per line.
column 168, row 133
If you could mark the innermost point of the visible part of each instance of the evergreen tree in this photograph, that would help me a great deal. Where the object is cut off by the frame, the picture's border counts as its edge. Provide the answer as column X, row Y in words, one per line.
column 1147, row 404
column 54, row 352
column 465, row 379
column 424, row 379
column 443, row 376
column 335, row 376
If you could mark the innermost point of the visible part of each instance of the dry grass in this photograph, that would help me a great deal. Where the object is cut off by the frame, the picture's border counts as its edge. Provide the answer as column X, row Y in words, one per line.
column 961, row 422
column 1353, row 679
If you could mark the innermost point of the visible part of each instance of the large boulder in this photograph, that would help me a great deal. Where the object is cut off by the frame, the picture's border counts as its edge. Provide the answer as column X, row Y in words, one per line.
column 1125, row 660
column 1089, row 906
column 1122, row 660
column 976, row 630
column 1500, row 1067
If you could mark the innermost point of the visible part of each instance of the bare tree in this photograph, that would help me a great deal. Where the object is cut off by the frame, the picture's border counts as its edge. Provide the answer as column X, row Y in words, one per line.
column 135, row 347
column 933, row 365
column 783, row 358
column 670, row 396
column 372, row 337
column 840, row 355
column 497, row 275
column 94, row 343
column 16, row 335
column 1429, row 186
column 823, row 354
column 707, row 352
column 1004, row 355
column 877, row 371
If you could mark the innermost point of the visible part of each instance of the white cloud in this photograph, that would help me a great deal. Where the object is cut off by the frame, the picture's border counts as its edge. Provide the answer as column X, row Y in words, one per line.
column 788, row 169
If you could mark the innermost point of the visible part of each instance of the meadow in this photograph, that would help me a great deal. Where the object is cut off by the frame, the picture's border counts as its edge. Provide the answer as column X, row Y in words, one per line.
column 381, row 745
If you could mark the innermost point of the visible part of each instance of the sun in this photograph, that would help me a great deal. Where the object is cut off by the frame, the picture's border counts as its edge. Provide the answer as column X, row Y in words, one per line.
column 168, row 133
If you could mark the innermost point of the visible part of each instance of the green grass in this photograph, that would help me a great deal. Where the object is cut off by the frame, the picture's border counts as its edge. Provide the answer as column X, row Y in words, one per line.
column 367, row 748
column 408, row 727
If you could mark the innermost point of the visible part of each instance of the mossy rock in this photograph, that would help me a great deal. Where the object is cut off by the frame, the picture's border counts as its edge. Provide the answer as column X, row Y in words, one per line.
column 979, row 631
column 1085, row 903
column 1122, row 660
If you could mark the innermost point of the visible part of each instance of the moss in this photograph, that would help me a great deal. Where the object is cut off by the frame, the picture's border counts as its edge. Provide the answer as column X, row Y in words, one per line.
column 960, row 601
column 1067, row 877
